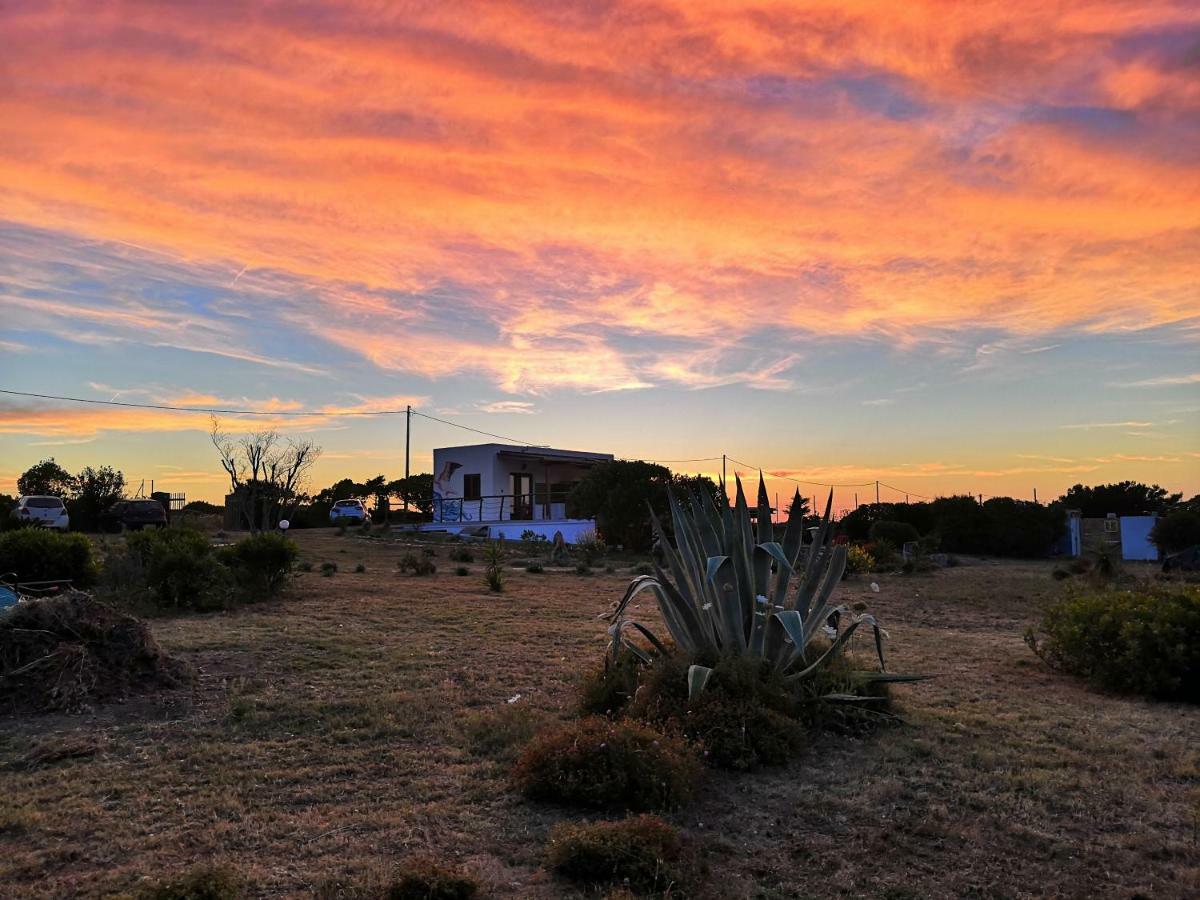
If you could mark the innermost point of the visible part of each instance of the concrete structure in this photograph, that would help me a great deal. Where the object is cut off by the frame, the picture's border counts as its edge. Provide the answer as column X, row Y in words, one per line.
column 494, row 490
column 1130, row 535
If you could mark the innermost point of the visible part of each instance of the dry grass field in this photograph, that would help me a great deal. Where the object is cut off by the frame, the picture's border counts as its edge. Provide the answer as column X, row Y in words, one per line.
column 362, row 718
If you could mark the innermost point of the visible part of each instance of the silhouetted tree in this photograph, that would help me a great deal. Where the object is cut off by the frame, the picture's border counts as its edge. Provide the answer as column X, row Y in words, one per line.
column 95, row 491
column 46, row 478
column 265, row 473
column 1126, row 498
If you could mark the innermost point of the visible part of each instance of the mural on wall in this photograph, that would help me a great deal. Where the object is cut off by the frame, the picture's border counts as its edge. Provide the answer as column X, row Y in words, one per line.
column 447, row 505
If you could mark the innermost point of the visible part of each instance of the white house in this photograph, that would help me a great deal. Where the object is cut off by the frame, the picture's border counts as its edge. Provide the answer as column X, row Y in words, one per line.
column 509, row 489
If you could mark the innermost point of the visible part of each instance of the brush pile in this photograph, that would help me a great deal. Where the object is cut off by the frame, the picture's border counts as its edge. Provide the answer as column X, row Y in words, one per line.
column 67, row 652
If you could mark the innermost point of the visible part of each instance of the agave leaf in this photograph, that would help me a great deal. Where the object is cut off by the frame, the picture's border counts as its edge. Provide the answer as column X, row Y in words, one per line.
column 714, row 563
column 696, row 629
column 726, row 602
column 793, row 539
column 766, row 529
column 697, row 679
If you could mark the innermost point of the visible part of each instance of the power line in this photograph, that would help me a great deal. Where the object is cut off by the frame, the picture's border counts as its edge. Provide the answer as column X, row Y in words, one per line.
column 400, row 412
column 797, row 480
column 476, row 430
column 211, row 410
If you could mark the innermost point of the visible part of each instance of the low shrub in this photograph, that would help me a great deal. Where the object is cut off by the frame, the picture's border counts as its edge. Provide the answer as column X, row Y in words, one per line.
column 747, row 716
column 1060, row 574
column 1137, row 641
column 601, row 764
column 461, row 554
column 590, row 547
column 884, row 552
column 530, row 536
column 642, row 568
column 360, row 569
column 640, row 852
column 1081, row 565
column 1177, row 531
column 493, row 573
column 461, row 570
column 305, row 566
column 420, row 566
column 261, row 563
column 329, row 569
column 167, row 569
column 583, row 569
column 424, row 878
column 203, row 882
column 858, row 560
column 609, row 690
column 895, row 533
column 66, row 652
column 40, row 554
column 534, row 568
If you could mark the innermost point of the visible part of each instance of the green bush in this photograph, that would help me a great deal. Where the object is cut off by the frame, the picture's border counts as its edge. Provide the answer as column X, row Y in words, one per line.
column 747, row 716
column 170, row 568
column 423, row 878
column 419, row 565
column 896, row 533
column 261, row 563
column 39, row 554
column 534, row 568
column 329, row 569
column 461, row 570
column 642, row 568
column 590, row 546
column 1177, row 531
column 583, row 569
column 640, row 852
column 858, row 560
column 598, row 763
column 199, row 883
column 462, row 555
column 1138, row 641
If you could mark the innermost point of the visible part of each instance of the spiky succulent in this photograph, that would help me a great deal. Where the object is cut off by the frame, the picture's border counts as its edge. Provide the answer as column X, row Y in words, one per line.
column 732, row 586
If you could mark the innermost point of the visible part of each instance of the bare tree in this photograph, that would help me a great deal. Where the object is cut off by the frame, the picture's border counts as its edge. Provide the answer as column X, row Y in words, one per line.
column 266, row 473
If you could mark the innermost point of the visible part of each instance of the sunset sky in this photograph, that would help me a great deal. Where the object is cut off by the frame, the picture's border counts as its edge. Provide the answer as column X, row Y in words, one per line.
column 952, row 246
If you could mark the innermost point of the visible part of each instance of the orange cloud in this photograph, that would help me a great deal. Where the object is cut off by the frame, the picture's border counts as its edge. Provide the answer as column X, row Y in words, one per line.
column 679, row 170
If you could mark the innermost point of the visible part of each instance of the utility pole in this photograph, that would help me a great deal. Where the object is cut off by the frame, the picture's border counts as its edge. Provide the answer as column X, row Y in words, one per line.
column 724, row 481
column 1035, row 495
column 856, row 499
column 407, row 447
column 877, row 492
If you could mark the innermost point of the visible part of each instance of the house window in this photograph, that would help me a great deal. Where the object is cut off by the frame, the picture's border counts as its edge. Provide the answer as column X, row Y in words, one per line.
column 1112, row 526
column 472, row 489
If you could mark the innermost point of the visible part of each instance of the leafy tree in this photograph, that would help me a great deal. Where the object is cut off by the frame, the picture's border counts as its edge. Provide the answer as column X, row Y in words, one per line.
column 962, row 525
column 1022, row 528
column 46, row 478
column 417, row 490
column 1177, row 530
column 95, row 491
column 618, row 496
column 1127, row 498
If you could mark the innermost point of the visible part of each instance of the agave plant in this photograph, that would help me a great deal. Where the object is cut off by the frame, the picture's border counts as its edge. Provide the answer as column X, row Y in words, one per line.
column 731, row 586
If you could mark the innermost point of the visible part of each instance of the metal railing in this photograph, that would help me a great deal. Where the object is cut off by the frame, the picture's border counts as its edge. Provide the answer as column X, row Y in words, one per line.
column 534, row 506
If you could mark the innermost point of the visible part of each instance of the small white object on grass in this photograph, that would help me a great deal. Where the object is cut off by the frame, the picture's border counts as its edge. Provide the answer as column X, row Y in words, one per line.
column 875, row 586
column 514, row 698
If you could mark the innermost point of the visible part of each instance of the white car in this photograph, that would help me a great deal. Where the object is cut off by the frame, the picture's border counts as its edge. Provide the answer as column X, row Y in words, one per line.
column 347, row 511
column 48, row 512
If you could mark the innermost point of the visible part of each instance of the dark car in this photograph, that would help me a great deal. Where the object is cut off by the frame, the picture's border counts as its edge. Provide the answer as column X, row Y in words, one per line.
column 130, row 515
